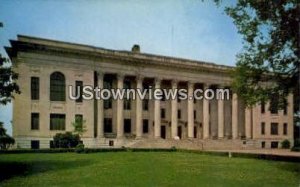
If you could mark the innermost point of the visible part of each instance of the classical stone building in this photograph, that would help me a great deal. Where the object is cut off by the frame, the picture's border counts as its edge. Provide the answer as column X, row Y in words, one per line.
column 46, row 68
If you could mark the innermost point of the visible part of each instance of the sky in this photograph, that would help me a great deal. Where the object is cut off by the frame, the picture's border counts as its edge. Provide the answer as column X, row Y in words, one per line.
column 192, row 29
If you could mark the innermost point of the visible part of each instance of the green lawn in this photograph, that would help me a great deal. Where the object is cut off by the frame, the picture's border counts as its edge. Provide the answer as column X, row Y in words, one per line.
column 143, row 169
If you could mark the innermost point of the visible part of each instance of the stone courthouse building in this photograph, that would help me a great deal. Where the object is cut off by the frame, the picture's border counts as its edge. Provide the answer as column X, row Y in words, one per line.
column 46, row 68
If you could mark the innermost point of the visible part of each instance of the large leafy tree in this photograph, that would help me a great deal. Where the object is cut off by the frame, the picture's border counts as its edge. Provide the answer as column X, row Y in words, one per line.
column 8, row 85
column 269, row 61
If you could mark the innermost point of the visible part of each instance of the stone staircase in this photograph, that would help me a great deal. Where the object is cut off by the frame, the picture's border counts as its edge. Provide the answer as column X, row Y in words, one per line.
column 195, row 144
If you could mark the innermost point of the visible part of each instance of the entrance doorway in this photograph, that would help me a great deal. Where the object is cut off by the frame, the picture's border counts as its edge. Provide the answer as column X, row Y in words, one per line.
column 179, row 132
column 163, row 131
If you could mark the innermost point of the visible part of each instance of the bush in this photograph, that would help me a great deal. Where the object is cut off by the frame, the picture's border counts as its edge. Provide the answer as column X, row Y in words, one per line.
column 66, row 140
column 6, row 141
column 285, row 144
column 79, row 148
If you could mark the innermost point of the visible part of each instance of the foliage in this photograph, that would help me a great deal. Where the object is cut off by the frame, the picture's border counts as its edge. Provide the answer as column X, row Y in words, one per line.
column 66, row 140
column 269, row 60
column 79, row 148
column 285, row 144
column 79, row 127
column 8, row 85
column 6, row 141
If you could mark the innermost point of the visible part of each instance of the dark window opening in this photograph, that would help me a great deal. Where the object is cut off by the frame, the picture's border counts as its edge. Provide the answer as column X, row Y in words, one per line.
column 51, row 144
column 285, row 128
column 179, row 114
column 263, row 107
column 274, row 128
column 108, row 125
column 263, row 144
column 274, row 144
column 57, row 121
column 162, row 113
column 35, row 88
column 35, row 118
column 57, row 87
column 127, row 125
column 263, row 126
column 145, row 126
column 274, row 103
column 146, row 104
column 35, row 144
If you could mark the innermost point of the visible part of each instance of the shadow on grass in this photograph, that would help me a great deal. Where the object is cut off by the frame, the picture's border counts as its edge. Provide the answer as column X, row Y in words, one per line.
column 13, row 169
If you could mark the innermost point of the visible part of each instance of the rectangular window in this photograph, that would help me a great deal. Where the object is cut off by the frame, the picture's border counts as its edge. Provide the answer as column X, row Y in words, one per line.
column 108, row 125
column 195, row 114
column 263, row 144
column 263, row 107
column 274, row 104
column 145, row 126
column 285, row 108
column 127, row 125
column 179, row 114
column 35, row 120
column 107, row 103
column 285, row 128
column 274, row 128
column 163, row 113
column 51, row 144
column 35, row 144
column 57, row 121
column 274, row 144
column 263, row 126
column 35, row 88
column 79, row 88
column 146, row 104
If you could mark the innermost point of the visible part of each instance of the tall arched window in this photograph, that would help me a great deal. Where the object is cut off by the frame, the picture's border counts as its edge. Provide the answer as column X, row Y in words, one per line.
column 57, row 87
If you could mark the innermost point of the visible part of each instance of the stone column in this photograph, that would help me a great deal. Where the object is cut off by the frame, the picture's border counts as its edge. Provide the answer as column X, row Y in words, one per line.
column 205, row 115
column 190, row 110
column 100, row 111
column 120, row 107
column 220, row 118
column 157, row 111
column 139, row 109
column 234, row 116
column 248, row 122
column 174, row 109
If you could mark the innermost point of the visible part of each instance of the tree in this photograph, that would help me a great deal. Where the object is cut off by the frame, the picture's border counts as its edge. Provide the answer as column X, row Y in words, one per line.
column 5, row 140
column 269, row 61
column 79, row 127
column 8, row 85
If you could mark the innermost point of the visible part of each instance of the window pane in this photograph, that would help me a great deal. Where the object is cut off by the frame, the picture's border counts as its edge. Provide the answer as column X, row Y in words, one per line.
column 57, row 121
column 57, row 87
column 35, row 121
column 35, row 88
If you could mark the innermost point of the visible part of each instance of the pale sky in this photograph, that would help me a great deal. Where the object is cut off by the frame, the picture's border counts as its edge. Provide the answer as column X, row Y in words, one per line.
column 192, row 29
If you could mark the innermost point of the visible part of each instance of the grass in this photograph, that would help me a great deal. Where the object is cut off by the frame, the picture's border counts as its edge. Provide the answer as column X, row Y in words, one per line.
column 143, row 169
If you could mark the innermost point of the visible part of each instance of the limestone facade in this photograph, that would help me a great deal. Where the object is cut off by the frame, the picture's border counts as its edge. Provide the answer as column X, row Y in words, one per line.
column 200, row 120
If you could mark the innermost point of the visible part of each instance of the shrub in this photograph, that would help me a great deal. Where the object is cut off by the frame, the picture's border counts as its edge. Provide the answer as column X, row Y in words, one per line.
column 285, row 144
column 66, row 140
column 6, row 142
column 79, row 148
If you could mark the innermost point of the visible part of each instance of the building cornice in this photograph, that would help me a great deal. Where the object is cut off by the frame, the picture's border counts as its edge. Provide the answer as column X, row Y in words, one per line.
column 33, row 44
